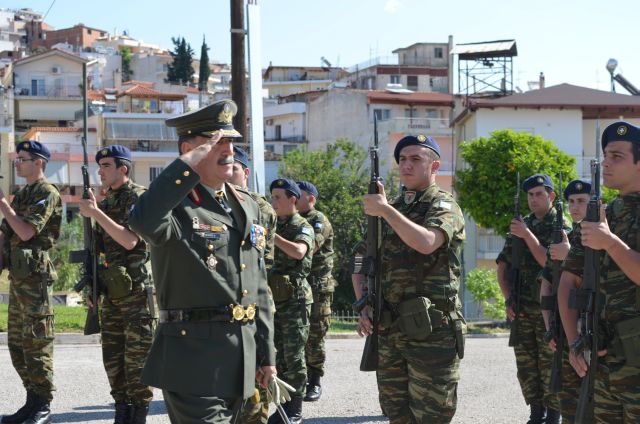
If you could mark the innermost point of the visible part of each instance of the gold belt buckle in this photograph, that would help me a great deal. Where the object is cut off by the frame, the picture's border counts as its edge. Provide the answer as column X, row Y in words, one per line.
column 240, row 313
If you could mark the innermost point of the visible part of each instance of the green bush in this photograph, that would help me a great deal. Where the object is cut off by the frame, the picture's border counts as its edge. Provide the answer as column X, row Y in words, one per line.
column 483, row 285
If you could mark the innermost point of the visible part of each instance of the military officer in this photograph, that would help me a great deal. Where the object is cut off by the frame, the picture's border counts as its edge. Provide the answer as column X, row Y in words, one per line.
column 421, row 341
column 28, row 232
column 291, row 292
column 322, row 285
column 127, row 323
column 577, row 195
column 215, row 335
column 256, row 410
column 617, row 236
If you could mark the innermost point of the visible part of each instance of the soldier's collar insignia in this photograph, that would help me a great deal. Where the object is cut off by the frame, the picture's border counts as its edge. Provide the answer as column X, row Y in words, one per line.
column 238, row 195
column 539, row 180
column 409, row 197
column 195, row 196
column 422, row 138
column 622, row 130
column 225, row 116
column 579, row 186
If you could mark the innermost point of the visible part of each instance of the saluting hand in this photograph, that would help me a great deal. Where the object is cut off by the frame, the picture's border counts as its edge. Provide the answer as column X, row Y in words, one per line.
column 199, row 158
column 375, row 204
column 560, row 251
column 88, row 207
column 597, row 235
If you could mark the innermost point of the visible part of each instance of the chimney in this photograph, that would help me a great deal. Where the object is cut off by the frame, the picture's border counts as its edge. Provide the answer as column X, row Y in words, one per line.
column 541, row 84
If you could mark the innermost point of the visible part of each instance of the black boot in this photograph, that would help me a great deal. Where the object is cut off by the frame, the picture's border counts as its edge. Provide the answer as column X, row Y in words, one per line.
column 41, row 411
column 123, row 413
column 294, row 410
column 314, row 390
column 537, row 414
column 21, row 414
column 275, row 418
column 553, row 417
column 139, row 415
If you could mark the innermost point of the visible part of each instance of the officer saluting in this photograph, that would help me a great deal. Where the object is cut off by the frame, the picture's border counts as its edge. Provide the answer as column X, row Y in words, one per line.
column 207, row 255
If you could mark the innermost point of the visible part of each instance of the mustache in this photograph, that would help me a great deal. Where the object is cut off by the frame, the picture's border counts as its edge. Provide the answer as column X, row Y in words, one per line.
column 227, row 160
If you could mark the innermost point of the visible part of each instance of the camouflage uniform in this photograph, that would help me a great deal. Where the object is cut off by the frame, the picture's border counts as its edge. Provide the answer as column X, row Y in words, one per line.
column 293, row 297
column 31, row 274
column 322, row 285
column 617, row 398
column 127, row 324
column 533, row 355
column 418, row 375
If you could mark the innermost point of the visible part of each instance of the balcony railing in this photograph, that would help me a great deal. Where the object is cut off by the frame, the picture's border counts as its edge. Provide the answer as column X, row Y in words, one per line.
column 52, row 90
column 430, row 126
column 149, row 145
column 288, row 139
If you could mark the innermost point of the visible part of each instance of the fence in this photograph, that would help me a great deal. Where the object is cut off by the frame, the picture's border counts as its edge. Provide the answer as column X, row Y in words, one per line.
column 344, row 316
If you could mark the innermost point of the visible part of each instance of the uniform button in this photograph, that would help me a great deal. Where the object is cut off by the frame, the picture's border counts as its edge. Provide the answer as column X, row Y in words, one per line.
column 183, row 332
column 210, row 247
column 242, row 243
column 242, row 267
column 178, row 181
column 185, row 173
column 245, row 293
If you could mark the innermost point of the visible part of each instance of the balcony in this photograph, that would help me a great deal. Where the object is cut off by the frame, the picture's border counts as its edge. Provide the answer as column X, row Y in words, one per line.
column 431, row 126
column 301, row 139
column 52, row 91
column 155, row 146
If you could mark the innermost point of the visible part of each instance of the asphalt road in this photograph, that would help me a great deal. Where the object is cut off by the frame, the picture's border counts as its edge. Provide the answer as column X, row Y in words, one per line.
column 488, row 391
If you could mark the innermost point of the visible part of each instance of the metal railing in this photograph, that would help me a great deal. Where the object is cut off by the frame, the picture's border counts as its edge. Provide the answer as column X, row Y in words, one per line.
column 48, row 90
column 416, row 125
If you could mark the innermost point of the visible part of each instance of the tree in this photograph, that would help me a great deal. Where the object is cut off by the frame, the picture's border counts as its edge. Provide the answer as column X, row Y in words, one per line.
column 483, row 285
column 70, row 239
column 340, row 174
column 127, row 72
column 203, row 75
column 487, row 184
column 181, row 69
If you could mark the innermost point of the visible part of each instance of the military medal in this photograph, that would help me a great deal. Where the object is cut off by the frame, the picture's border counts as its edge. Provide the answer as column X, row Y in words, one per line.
column 258, row 236
column 211, row 262
column 196, row 223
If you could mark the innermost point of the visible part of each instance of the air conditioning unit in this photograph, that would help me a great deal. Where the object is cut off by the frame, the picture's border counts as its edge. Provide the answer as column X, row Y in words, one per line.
column 56, row 70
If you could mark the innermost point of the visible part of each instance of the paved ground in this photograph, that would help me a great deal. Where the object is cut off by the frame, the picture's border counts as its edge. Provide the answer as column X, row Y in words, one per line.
column 488, row 391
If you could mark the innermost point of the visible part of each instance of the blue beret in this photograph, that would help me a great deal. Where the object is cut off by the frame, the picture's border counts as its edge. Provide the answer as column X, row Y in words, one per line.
column 577, row 187
column 286, row 184
column 416, row 140
column 34, row 147
column 308, row 187
column 114, row 151
column 620, row 131
column 537, row 180
column 240, row 156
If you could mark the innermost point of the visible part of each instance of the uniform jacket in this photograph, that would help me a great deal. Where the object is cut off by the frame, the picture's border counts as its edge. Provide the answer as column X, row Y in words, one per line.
column 322, row 263
column 188, row 231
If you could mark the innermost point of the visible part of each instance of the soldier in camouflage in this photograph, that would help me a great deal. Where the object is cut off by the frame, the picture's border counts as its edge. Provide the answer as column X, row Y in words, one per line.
column 291, row 292
column 533, row 356
column 127, row 322
column 28, row 232
column 577, row 195
column 421, row 338
column 322, row 285
column 617, row 235
column 256, row 409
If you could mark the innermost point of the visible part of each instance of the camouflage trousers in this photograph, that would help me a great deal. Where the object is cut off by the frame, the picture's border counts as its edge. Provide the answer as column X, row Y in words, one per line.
column 533, row 359
column 617, row 392
column 30, row 334
column 570, row 392
column 127, row 334
column 418, row 380
column 291, row 331
column 256, row 409
column 320, row 321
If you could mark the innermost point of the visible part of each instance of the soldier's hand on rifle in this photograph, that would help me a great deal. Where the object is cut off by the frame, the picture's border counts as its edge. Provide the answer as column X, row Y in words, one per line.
column 365, row 325
column 560, row 251
column 510, row 313
column 579, row 363
column 519, row 228
column 88, row 207
column 375, row 204
column 88, row 301
column 597, row 235
column 552, row 345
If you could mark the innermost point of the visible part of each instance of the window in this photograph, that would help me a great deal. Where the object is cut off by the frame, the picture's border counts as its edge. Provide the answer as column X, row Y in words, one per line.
column 278, row 132
column 89, row 31
column 37, row 87
column 412, row 82
column 288, row 148
column 382, row 114
column 438, row 53
column 395, row 79
column 270, row 148
column 433, row 113
column 154, row 171
column 410, row 113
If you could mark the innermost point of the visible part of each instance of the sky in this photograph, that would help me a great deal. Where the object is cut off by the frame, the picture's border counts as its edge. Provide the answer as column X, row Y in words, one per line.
column 569, row 40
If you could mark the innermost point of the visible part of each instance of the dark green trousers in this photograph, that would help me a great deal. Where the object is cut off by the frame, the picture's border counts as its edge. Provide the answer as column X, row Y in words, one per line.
column 184, row 408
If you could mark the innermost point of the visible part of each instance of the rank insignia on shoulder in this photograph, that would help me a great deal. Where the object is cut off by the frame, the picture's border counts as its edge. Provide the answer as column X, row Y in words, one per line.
column 211, row 262
column 258, row 236
column 445, row 205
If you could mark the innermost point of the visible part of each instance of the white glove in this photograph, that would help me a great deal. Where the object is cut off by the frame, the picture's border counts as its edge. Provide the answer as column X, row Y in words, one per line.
column 278, row 391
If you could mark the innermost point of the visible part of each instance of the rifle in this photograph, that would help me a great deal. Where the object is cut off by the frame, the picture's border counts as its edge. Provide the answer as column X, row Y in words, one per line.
column 89, row 255
column 370, row 265
column 584, row 300
column 517, row 252
column 551, row 302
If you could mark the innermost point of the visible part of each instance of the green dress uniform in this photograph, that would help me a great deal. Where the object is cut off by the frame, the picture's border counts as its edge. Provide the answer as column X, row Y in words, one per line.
column 418, row 364
column 127, row 324
column 31, row 274
column 617, row 391
column 208, row 265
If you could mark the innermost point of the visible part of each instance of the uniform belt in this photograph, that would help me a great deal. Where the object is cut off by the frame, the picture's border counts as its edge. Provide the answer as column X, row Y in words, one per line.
column 231, row 313
column 441, row 306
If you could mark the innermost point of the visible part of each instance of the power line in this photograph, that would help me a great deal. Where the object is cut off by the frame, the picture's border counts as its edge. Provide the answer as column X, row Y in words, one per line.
column 47, row 12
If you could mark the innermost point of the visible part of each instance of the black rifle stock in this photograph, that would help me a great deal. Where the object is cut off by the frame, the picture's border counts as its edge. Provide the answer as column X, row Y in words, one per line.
column 370, row 265
column 515, row 286
column 555, row 323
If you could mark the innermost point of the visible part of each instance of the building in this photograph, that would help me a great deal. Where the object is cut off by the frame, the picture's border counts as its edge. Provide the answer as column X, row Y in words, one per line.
column 282, row 81
column 13, row 31
column 79, row 36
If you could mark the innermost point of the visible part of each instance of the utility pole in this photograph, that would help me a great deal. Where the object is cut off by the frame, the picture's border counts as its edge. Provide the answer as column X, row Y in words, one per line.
column 238, row 66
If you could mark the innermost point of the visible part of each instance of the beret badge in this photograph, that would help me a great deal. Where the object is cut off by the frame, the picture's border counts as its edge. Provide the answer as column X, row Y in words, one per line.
column 539, row 180
column 25, row 146
column 422, row 138
column 622, row 130
column 226, row 116
column 578, row 186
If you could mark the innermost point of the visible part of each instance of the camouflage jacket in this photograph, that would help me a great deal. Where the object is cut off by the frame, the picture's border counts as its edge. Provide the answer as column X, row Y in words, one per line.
column 620, row 293
column 269, row 220
column 407, row 273
column 322, row 263
column 38, row 204
column 116, row 205
column 295, row 228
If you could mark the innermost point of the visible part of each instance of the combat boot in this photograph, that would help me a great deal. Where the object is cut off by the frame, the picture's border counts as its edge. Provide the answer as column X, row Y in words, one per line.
column 41, row 411
column 314, row 390
column 294, row 410
column 21, row 414
column 553, row 417
column 537, row 414
column 139, row 415
column 123, row 413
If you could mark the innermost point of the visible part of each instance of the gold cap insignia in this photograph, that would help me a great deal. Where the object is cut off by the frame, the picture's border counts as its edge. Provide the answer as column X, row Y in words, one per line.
column 622, row 130
column 104, row 152
column 25, row 145
column 579, row 186
column 226, row 117
column 280, row 182
column 422, row 138
column 540, row 180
